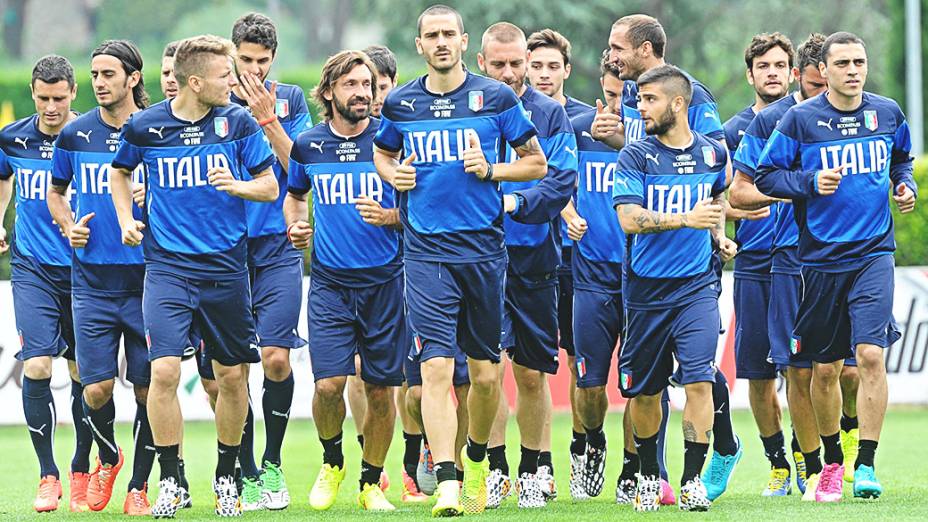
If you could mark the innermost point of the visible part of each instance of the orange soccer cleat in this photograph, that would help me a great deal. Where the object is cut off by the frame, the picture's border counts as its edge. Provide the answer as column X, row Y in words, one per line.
column 49, row 494
column 102, row 479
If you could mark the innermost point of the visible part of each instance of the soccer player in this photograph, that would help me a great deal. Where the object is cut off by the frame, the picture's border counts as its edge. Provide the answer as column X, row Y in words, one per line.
column 669, row 191
column 41, row 266
column 168, row 81
column 355, row 298
column 449, row 123
column 276, row 269
column 533, row 245
column 636, row 45
column 197, row 150
column 769, row 61
column 785, row 282
column 106, row 275
column 548, row 68
column 839, row 155
column 597, row 275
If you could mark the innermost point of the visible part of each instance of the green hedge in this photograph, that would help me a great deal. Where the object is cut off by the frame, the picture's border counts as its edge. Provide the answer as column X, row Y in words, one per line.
column 912, row 228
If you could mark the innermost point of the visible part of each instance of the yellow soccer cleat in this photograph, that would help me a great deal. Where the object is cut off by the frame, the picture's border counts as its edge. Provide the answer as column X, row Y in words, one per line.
column 371, row 498
column 849, row 441
column 447, row 500
column 325, row 489
column 474, row 490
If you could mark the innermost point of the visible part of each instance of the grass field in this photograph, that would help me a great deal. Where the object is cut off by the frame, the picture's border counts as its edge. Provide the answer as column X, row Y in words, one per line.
column 901, row 462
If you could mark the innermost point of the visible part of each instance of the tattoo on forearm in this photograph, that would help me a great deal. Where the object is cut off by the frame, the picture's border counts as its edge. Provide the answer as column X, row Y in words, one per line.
column 689, row 431
column 530, row 147
column 649, row 221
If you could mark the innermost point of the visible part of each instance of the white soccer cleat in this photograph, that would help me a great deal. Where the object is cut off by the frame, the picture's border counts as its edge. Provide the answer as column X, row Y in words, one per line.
column 227, row 502
column 530, row 492
column 576, row 485
column 693, row 496
column 498, row 488
column 648, row 493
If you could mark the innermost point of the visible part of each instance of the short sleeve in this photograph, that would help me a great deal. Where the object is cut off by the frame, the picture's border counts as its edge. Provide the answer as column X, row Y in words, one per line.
column 388, row 135
column 129, row 154
column 703, row 114
column 628, row 187
column 718, row 187
column 748, row 152
column 62, row 166
column 516, row 126
column 5, row 170
column 781, row 149
column 301, row 119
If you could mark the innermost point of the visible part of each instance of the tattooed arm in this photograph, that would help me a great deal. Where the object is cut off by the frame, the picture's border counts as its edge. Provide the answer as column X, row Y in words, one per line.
column 531, row 164
column 636, row 219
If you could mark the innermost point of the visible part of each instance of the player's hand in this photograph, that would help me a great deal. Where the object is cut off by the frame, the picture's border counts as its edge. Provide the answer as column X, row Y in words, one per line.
column 605, row 123
column 904, row 198
column 728, row 249
column 405, row 177
column 80, row 232
column 299, row 233
column 138, row 195
column 576, row 228
column 827, row 180
column 132, row 233
column 222, row 180
column 262, row 102
column 4, row 246
column 509, row 203
column 371, row 212
column 474, row 161
column 705, row 215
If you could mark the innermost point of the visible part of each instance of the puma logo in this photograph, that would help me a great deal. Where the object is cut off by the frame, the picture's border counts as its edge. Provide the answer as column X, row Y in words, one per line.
column 572, row 152
column 153, row 130
column 409, row 103
column 85, row 135
column 22, row 141
column 821, row 123
column 314, row 145
column 654, row 158
column 40, row 430
column 586, row 134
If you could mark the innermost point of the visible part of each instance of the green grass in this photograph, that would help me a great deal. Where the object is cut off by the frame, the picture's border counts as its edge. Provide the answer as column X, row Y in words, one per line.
column 901, row 462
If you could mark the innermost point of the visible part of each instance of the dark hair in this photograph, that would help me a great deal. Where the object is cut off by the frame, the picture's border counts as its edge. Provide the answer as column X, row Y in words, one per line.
column 257, row 29
column 170, row 49
column 677, row 83
column 438, row 10
column 810, row 51
column 841, row 37
column 335, row 67
column 607, row 66
column 762, row 43
column 131, row 59
column 53, row 69
column 550, row 38
column 643, row 28
column 383, row 59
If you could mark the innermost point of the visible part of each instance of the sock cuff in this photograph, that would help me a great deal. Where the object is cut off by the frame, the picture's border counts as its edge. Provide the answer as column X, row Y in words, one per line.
column 286, row 383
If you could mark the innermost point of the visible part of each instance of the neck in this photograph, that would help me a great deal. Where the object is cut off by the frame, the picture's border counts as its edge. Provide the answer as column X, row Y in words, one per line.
column 759, row 104
column 678, row 137
column 445, row 81
column 844, row 103
column 115, row 116
column 560, row 98
column 652, row 64
column 347, row 129
column 522, row 90
column 54, row 131
column 188, row 107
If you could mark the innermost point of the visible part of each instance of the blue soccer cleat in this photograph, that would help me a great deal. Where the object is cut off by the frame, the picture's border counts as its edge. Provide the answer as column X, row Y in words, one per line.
column 866, row 485
column 721, row 468
column 800, row 462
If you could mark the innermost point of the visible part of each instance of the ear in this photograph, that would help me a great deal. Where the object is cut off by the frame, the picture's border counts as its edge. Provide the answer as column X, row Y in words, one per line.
column 418, row 45
column 822, row 69
column 646, row 49
column 794, row 75
column 679, row 104
column 464, row 39
column 750, row 76
column 134, row 79
column 74, row 92
column 327, row 94
column 567, row 72
column 481, row 63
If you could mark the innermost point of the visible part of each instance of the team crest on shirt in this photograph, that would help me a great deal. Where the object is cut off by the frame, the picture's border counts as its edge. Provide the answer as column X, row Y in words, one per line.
column 626, row 380
column 221, row 126
column 282, row 108
column 870, row 120
column 708, row 156
column 475, row 100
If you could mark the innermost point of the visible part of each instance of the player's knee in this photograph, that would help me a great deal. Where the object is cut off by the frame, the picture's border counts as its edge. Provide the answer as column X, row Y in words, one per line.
column 37, row 368
column 211, row 388
column 530, row 382
column 96, row 395
column 141, row 394
column 164, row 376
column 413, row 397
column 593, row 393
column 330, row 389
column 870, row 358
column 72, row 370
column 825, row 375
column 276, row 362
column 484, row 382
column 378, row 399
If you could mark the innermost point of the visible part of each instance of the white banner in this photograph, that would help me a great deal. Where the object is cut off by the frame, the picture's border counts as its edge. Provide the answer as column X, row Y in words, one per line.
column 906, row 362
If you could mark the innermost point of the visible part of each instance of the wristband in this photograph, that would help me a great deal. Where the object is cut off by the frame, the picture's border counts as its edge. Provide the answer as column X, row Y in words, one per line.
column 489, row 174
column 290, row 239
column 518, row 198
column 267, row 121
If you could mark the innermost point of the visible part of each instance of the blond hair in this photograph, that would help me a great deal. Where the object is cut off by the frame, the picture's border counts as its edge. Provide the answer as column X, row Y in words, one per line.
column 191, row 56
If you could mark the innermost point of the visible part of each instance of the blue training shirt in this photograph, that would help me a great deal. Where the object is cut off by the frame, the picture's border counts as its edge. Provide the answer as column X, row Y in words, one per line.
column 598, row 256
column 82, row 156
column 703, row 115
column 574, row 108
column 267, row 232
column 26, row 152
column 194, row 230
column 840, row 231
column 754, row 237
column 451, row 216
column 785, row 258
column 533, row 230
column 339, row 170
column 673, row 268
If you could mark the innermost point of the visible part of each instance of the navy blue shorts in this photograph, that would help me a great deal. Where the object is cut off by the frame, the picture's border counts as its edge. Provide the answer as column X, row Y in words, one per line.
column 653, row 338
column 598, row 321
column 175, row 307
column 456, row 307
column 841, row 310
column 43, row 318
column 529, row 329
column 276, row 299
column 752, row 342
column 346, row 321
column 565, row 300
column 785, row 291
column 100, row 322
column 204, row 363
column 412, row 366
